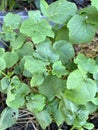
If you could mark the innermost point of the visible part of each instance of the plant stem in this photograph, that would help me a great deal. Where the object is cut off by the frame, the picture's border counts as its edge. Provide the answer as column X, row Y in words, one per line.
column 4, row 74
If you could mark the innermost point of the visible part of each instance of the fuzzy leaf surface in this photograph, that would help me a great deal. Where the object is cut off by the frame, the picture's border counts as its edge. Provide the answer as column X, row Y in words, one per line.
column 37, row 103
column 12, row 20
column 4, row 84
column 2, row 64
column 37, row 30
column 75, row 80
column 26, row 49
column 58, row 69
column 64, row 49
column 10, row 58
column 79, row 30
column 94, row 3
column 85, row 94
column 51, row 87
column 34, row 65
column 43, row 118
column 18, row 42
column 61, row 11
column 86, row 64
column 8, row 117
column 53, row 108
column 16, row 93
column 46, row 52
column 37, row 79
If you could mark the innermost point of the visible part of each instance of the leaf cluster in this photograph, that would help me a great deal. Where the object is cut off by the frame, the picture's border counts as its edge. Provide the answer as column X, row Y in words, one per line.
column 40, row 71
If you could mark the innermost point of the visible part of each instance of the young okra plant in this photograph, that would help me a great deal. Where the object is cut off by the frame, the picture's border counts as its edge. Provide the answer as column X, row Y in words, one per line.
column 40, row 71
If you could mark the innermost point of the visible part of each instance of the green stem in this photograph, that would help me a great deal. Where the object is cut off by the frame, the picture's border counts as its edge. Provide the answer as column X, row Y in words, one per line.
column 4, row 74
column 72, row 128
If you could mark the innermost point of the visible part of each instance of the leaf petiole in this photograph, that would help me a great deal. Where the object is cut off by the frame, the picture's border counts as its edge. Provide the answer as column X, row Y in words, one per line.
column 4, row 74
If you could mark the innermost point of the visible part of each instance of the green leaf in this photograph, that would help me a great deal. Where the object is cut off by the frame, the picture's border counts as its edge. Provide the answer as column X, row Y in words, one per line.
column 94, row 3
column 12, row 20
column 15, row 101
column 10, row 58
column 86, row 64
column 62, row 34
column 26, row 49
column 65, row 50
column 58, row 69
column 43, row 118
column 68, row 110
column 95, row 101
column 89, row 126
column 53, row 108
column 92, row 18
column 74, row 114
column 18, row 42
column 82, row 115
column 45, row 52
column 15, row 81
column 36, row 103
column 80, row 31
column 34, row 65
column 10, row 34
column 85, row 94
column 43, row 7
column 35, row 15
column 37, row 80
column 16, row 93
column 17, row 70
column 9, row 116
column 73, row 77
column 4, row 84
column 71, row 66
column 88, row 10
column 37, row 30
column 2, row 64
column 27, row 73
column 37, row 3
column 11, row 4
column 61, row 11
column 68, row 104
column 91, row 107
column 51, row 87
column 91, row 14
column 2, row 51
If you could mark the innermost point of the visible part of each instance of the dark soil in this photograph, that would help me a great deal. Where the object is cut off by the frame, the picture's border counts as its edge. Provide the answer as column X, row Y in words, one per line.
column 95, row 122
column 2, row 102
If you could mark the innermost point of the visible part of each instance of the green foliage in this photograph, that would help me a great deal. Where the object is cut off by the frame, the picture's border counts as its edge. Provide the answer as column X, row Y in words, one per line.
column 45, row 52
column 16, row 93
column 15, row 20
column 7, row 4
column 80, row 31
column 4, row 84
column 10, row 58
column 36, row 103
column 61, row 11
column 65, row 50
column 41, row 28
column 51, row 87
column 44, row 6
column 40, row 69
column 43, row 118
column 2, row 64
column 59, row 69
column 95, row 3
column 8, row 117
column 86, row 64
